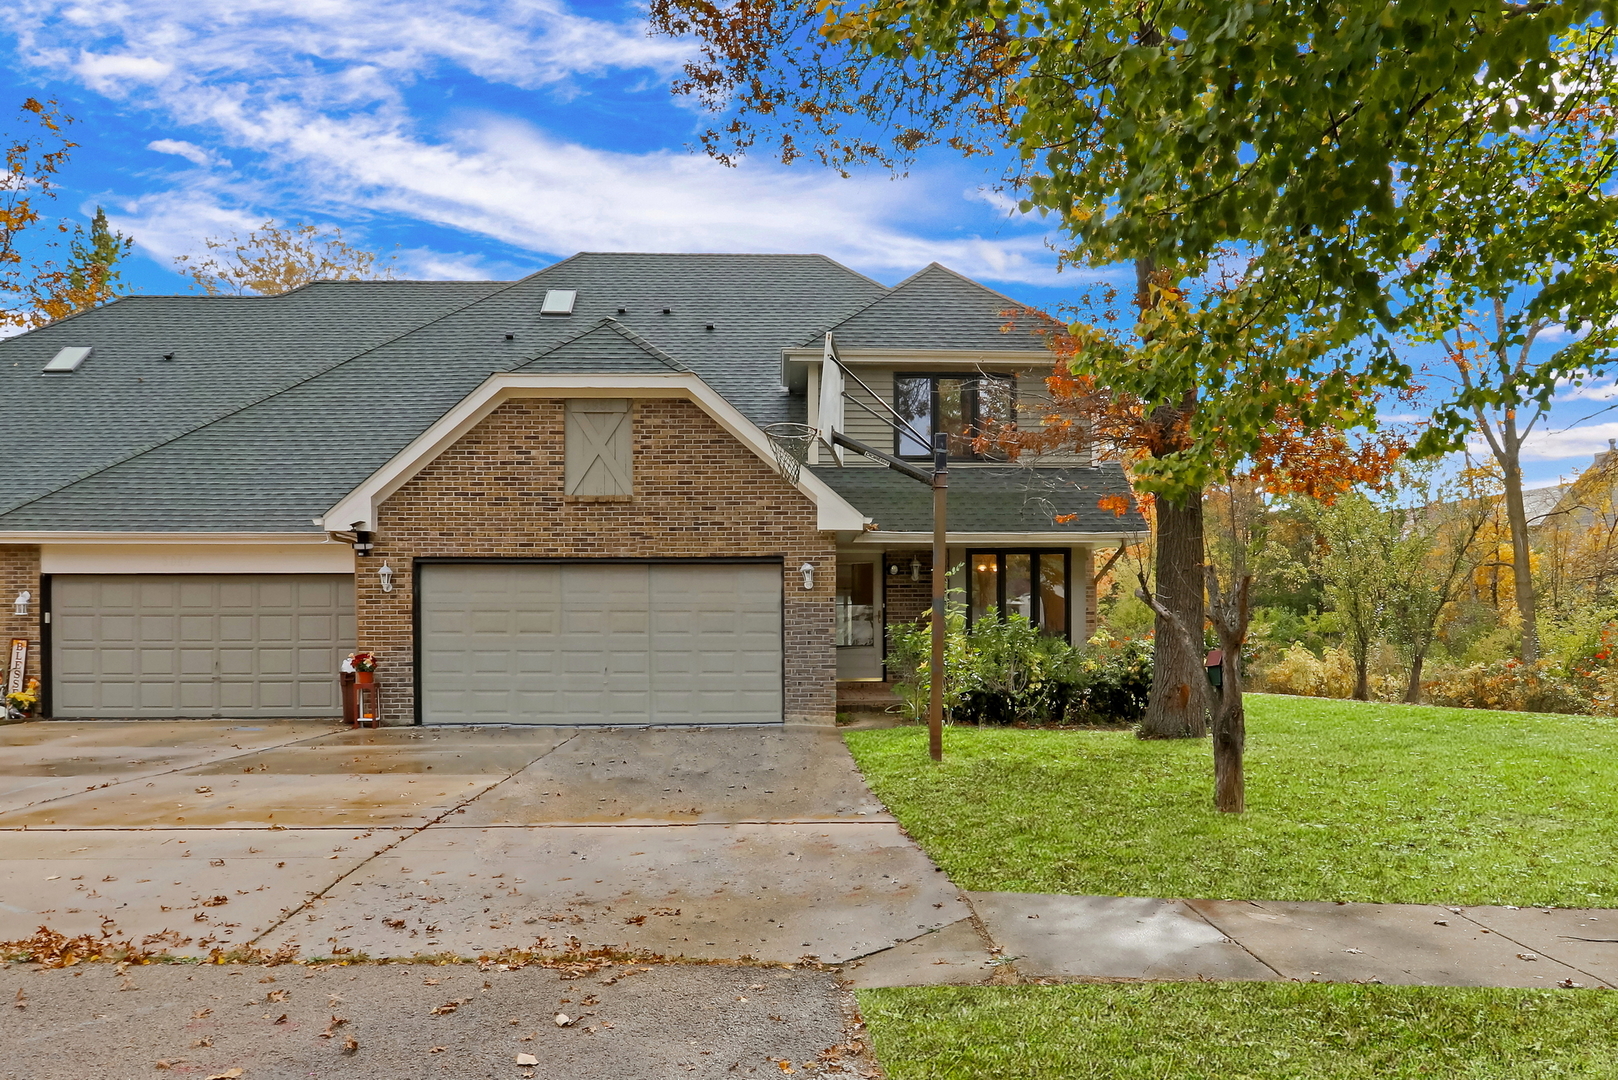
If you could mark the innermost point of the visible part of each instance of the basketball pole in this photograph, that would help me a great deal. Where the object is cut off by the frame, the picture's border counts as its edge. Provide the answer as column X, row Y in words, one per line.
column 935, row 708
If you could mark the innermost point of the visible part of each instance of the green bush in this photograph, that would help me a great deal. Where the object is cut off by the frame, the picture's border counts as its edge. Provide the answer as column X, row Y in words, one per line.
column 1008, row 671
column 1110, row 680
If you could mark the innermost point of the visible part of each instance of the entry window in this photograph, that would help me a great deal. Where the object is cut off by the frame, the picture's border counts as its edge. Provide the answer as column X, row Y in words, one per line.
column 957, row 404
column 1033, row 584
column 856, row 603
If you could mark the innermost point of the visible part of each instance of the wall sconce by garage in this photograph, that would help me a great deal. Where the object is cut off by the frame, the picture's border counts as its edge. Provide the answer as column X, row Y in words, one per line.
column 808, row 572
column 363, row 543
column 893, row 569
column 19, row 606
column 386, row 574
column 915, row 569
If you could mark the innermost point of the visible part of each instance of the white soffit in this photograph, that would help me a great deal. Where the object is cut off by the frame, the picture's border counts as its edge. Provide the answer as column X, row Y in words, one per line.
column 66, row 361
column 327, row 558
column 559, row 302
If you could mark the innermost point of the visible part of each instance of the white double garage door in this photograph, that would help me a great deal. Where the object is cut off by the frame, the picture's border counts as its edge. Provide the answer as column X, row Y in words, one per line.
column 509, row 643
column 600, row 643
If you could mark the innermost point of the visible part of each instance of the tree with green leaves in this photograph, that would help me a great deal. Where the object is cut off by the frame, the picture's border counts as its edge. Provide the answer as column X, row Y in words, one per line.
column 1328, row 142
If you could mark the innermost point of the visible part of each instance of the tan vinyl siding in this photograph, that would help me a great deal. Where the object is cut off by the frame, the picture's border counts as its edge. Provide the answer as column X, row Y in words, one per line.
column 860, row 424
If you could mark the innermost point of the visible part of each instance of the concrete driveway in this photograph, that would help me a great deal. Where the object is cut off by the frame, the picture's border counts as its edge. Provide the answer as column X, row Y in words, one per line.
column 717, row 843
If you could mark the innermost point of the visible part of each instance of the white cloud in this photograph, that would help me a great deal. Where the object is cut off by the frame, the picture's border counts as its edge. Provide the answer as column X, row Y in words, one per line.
column 105, row 72
column 1580, row 442
column 315, row 90
column 180, row 148
column 524, row 43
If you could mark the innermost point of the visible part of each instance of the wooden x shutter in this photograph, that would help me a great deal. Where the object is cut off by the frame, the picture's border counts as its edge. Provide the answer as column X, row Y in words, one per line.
column 599, row 450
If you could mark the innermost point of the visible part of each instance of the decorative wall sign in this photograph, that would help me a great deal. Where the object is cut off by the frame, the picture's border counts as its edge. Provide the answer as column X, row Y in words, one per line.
column 19, row 666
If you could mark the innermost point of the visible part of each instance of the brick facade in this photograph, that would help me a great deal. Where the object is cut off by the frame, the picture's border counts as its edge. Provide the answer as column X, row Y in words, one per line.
column 698, row 493
column 905, row 600
column 19, row 572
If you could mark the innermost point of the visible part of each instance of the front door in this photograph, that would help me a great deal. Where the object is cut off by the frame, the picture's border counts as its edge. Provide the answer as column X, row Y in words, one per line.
column 859, row 619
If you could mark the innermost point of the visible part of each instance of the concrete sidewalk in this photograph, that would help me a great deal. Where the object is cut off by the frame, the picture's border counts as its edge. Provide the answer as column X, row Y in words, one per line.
column 1031, row 936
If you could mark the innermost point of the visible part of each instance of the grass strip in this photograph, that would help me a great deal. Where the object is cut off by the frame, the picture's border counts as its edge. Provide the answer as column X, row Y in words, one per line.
column 1274, row 1031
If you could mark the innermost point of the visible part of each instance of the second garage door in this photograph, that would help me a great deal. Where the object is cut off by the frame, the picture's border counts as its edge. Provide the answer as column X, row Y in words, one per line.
column 579, row 643
column 199, row 645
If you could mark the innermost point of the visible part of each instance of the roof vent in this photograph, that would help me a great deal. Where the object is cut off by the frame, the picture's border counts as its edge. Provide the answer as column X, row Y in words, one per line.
column 559, row 302
column 66, row 361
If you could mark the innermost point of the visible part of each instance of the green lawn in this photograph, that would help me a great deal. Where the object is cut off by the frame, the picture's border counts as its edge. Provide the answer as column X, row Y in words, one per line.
column 1232, row 1031
column 1346, row 801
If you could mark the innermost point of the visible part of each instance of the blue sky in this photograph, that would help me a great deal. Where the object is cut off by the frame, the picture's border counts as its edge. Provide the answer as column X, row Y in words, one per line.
column 480, row 140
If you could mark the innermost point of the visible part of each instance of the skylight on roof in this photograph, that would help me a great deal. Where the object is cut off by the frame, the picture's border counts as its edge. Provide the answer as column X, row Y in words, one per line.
column 66, row 361
column 559, row 302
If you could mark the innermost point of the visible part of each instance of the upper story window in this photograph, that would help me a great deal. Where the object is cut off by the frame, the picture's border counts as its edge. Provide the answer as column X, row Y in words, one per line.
column 958, row 404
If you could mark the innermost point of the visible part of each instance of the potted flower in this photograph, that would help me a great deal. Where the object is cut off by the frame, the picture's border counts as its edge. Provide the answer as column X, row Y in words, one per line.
column 23, row 703
column 363, row 665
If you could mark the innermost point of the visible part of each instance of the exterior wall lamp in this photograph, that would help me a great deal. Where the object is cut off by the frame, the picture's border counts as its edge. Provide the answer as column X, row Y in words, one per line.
column 20, row 605
column 386, row 574
column 915, row 569
column 808, row 572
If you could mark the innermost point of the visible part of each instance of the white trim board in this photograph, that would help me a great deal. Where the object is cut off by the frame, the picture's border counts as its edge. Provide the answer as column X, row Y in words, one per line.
column 1002, row 539
column 362, row 504
column 167, row 539
column 329, row 558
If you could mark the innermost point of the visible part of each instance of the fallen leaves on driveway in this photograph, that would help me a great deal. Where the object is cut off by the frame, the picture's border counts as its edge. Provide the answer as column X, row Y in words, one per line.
column 449, row 1006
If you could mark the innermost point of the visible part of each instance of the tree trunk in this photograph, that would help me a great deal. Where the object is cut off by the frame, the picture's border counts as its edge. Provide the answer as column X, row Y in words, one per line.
column 1413, row 690
column 1229, row 616
column 1176, row 704
column 1521, row 569
column 1362, row 673
column 1230, row 742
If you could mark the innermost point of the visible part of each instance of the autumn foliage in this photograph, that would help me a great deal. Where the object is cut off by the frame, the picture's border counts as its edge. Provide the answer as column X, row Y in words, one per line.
column 1291, row 454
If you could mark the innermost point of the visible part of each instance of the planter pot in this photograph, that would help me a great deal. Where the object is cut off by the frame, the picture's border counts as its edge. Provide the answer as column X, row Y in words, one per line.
column 364, row 678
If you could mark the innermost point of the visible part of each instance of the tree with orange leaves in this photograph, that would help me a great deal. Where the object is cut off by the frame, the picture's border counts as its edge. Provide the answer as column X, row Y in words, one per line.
column 39, row 282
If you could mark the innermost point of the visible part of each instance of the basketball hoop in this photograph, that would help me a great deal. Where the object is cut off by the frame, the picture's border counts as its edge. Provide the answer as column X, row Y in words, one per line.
column 791, row 444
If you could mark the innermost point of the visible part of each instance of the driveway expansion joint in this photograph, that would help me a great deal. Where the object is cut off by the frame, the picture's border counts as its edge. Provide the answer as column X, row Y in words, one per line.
column 418, row 830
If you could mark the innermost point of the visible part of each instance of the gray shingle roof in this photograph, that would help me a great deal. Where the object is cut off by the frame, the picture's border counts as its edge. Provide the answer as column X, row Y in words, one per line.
column 938, row 309
column 608, row 346
column 276, row 407
column 992, row 498
column 275, row 462
column 228, row 352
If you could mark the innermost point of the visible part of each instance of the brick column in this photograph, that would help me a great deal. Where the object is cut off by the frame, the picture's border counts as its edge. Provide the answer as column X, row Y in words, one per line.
column 1083, row 590
column 19, row 572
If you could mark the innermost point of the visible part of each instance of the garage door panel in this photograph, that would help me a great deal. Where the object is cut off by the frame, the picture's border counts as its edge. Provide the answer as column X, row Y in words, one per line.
column 203, row 629
column 113, row 662
column 664, row 643
column 111, row 628
column 199, row 645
